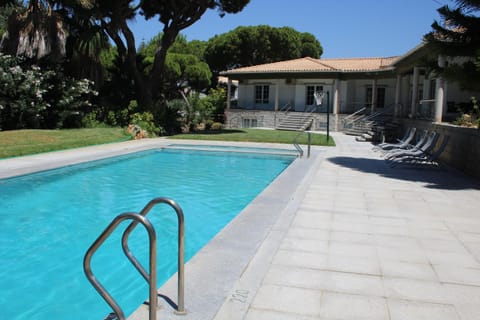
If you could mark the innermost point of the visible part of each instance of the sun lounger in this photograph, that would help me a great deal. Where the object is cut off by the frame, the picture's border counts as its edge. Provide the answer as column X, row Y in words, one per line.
column 402, row 143
column 421, row 140
column 424, row 149
column 425, row 159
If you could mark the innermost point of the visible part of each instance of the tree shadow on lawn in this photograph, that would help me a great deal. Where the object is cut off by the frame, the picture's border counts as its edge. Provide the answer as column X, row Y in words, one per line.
column 434, row 177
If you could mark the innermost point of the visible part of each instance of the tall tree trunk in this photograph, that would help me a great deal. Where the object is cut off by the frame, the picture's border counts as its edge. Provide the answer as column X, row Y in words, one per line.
column 128, row 56
column 143, row 88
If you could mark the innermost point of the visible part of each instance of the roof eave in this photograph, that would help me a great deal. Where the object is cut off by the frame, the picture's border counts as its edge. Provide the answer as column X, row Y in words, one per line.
column 303, row 74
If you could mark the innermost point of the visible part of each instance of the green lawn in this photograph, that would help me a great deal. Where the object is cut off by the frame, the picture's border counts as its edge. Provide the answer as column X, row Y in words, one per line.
column 258, row 135
column 24, row 142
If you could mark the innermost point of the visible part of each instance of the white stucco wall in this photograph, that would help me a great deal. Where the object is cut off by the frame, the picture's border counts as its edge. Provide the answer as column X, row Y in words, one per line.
column 352, row 93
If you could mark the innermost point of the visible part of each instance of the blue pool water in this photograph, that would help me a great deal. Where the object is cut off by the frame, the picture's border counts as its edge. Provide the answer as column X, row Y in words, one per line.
column 48, row 220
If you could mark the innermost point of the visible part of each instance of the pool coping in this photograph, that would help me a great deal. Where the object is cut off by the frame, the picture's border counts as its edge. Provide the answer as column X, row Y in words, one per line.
column 220, row 273
column 224, row 276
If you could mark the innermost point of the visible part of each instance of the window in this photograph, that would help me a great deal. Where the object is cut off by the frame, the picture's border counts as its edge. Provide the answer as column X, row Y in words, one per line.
column 261, row 94
column 310, row 98
column 380, row 102
column 249, row 123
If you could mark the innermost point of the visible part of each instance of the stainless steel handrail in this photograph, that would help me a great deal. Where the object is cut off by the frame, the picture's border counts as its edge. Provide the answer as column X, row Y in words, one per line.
column 286, row 108
column 297, row 145
column 152, row 278
column 181, row 248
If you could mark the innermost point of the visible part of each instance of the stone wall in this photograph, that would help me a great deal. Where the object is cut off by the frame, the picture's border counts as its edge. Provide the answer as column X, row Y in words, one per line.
column 268, row 119
column 463, row 149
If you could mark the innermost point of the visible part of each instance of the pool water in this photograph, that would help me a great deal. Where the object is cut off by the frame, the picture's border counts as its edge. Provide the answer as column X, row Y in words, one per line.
column 48, row 220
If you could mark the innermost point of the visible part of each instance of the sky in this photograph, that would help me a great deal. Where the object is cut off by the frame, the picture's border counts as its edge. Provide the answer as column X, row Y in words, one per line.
column 345, row 28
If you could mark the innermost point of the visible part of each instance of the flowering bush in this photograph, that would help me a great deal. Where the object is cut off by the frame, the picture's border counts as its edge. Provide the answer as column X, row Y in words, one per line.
column 35, row 98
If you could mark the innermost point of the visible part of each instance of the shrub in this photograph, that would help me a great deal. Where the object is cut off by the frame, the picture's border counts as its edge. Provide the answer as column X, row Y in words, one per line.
column 145, row 121
column 217, row 126
column 208, row 124
column 34, row 98
column 469, row 117
column 90, row 120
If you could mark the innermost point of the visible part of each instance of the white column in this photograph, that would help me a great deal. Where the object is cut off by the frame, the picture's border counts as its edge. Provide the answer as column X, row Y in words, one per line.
column 229, row 92
column 374, row 95
column 336, row 96
column 277, row 90
column 440, row 91
column 413, row 107
column 398, row 89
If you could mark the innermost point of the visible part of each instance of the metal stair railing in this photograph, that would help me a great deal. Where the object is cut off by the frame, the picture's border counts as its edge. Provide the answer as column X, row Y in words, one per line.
column 350, row 119
column 286, row 108
column 152, row 277
column 301, row 121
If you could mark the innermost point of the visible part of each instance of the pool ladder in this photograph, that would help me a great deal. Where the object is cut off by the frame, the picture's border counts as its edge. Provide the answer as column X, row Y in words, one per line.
column 297, row 145
column 151, row 276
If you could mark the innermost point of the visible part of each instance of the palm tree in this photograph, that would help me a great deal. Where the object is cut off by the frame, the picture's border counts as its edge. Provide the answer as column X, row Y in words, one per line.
column 38, row 33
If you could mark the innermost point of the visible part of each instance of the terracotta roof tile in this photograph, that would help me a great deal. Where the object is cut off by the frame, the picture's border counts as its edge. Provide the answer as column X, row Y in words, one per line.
column 319, row 65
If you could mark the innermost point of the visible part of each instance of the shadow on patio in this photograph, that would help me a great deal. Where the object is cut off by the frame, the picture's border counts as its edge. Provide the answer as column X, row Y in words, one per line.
column 435, row 178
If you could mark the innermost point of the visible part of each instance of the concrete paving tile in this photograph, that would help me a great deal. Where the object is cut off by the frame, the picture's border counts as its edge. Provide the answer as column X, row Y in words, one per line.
column 391, row 230
column 352, row 237
column 298, row 244
column 396, row 269
column 452, row 259
column 312, row 221
column 459, row 275
column 354, row 264
column 474, row 249
column 256, row 314
column 402, row 255
column 410, row 196
column 408, row 310
column 467, row 226
column 432, row 234
column 353, row 250
column 351, row 227
column 301, row 259
column 353, row 307
column 309, row 233
column 468, row 311
column 288, row 299
column 388, row 221
column 463, row 294
column 469, row 237
column 395, row 241
column 427, row 222
column 356, row 217
column 324, row 280
column 443, row 245
column 416, row 290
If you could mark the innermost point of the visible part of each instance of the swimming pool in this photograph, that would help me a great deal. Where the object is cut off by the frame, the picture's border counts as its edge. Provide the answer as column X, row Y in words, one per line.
column 48, row 220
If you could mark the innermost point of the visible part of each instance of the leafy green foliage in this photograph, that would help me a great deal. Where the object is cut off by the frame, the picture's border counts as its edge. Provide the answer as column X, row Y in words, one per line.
column 183, row 64
column 247, row 46
column 459, row 36
column 145, row 121
column 35, row 98
column 6, row 11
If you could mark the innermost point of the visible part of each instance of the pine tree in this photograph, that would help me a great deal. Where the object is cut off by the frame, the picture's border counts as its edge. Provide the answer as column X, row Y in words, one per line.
column 459, row 36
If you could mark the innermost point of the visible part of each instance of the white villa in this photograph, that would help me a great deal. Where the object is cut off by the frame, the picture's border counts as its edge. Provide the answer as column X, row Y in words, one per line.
column 401, row 85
